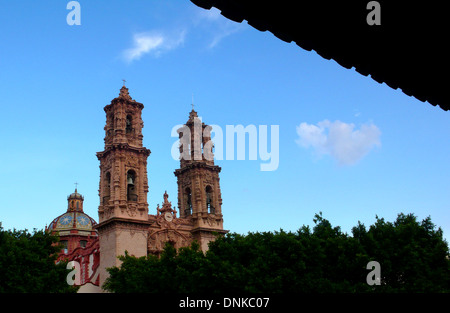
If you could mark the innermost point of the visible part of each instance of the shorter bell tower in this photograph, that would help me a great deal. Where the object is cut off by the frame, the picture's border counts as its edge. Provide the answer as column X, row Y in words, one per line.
column 199, row 195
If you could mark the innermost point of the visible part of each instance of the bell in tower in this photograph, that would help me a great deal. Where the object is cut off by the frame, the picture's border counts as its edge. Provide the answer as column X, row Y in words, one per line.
column 131, row 190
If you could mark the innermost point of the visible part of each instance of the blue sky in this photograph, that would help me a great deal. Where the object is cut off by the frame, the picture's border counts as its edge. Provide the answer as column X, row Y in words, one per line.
column 348, row 146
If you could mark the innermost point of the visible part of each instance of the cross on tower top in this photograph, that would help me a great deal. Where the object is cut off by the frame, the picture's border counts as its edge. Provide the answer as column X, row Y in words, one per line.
column 76, row 185
column 124, row 81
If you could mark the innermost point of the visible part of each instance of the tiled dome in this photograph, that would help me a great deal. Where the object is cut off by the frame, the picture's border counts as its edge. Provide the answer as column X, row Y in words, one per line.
column 72, row 220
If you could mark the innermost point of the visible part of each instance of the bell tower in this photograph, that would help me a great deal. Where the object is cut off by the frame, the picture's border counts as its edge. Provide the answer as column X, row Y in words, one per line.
column 123, row 209
column 199, row 195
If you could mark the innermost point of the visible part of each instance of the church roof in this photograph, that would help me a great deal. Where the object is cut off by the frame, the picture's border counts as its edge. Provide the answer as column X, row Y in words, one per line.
column 406, row 51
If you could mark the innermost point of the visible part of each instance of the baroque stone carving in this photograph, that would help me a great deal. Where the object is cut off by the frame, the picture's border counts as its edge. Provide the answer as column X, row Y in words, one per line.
column 132, row 210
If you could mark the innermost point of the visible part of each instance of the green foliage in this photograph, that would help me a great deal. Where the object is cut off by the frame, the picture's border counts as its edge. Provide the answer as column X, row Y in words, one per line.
column 413, row 258
column 27, row 263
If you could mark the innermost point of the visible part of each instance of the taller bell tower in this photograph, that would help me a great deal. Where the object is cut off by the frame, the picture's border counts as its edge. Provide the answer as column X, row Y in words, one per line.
column 123, row 209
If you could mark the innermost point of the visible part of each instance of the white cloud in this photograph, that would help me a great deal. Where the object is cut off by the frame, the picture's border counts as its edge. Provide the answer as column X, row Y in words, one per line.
column 339, row 140
column 153, row 42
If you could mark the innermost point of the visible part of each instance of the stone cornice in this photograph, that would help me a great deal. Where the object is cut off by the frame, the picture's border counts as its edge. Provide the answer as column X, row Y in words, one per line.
column 195, row 165
column 124, row 100
column 123, row 221
column 209, row 230
column 123, row 146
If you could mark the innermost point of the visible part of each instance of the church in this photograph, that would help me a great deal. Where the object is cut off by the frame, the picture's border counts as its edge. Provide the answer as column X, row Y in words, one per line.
column 124, row 222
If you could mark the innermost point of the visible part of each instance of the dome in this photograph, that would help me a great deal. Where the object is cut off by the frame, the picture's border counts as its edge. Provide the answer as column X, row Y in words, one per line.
column 74, row 218
column 73, row 221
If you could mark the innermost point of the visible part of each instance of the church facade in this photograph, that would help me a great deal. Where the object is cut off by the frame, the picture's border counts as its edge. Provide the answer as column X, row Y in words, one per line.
column 124, row 222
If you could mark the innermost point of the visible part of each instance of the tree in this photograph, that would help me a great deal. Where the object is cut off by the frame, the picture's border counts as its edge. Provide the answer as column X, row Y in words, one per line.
column 413, row 258
column 413, row 255
column 27, row 263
